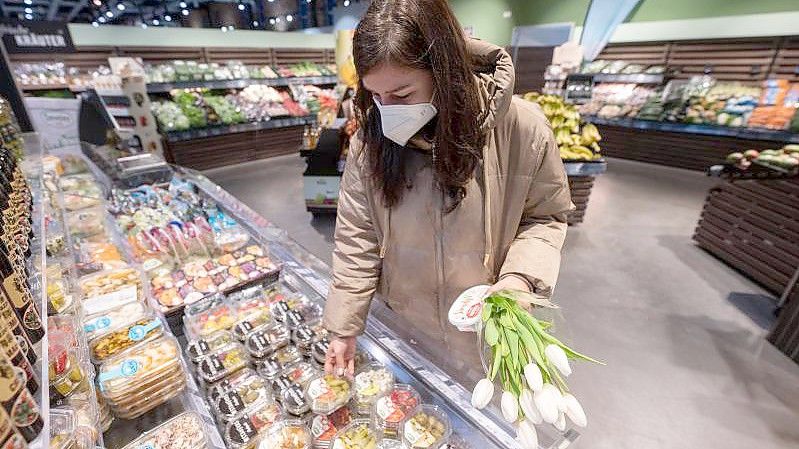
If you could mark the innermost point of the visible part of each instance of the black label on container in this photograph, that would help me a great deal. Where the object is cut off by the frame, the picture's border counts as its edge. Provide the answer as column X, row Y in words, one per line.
column 280, row 384
column 281, row 308
column 230, row 403
column 241, row 431
column 211, row 367
column 294, row 318
column 260, row 342
column 294, row 400
column 198, row 348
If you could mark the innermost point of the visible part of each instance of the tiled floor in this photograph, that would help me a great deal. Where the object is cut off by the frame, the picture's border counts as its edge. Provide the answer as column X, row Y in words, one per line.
column 682, row 333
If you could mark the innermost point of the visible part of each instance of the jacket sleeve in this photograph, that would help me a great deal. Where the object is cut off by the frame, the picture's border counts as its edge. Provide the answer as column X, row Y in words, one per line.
column 356, row 255
column 535, row 252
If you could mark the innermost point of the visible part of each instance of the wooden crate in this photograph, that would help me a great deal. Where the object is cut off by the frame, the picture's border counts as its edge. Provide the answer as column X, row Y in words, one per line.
column 580, row 187
column 785, row 333
column 753, row 225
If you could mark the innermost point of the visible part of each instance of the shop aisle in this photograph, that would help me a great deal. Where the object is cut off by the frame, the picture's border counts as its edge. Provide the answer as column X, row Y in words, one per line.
column 681, row 332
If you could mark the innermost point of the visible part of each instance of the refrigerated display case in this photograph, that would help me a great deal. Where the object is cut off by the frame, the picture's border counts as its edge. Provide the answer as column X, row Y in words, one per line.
column 303, row 273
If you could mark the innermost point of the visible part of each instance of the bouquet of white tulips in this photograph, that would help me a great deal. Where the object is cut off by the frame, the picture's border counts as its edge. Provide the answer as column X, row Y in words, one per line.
column 531, row 365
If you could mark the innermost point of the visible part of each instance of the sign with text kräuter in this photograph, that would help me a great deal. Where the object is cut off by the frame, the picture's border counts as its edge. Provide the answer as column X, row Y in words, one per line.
column 35, row 37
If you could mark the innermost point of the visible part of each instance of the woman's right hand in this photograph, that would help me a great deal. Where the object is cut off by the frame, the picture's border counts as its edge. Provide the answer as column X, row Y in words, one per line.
column 340, row 358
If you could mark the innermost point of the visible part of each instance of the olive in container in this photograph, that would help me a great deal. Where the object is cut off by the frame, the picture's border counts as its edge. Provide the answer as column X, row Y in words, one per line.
column 222, row 363
column 427, row 427
column 201, row 347
column 371, row 382
column 357, row 435
column 326, row 393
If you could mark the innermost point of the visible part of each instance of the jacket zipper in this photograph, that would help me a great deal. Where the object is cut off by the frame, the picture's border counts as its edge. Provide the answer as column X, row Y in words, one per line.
column 440, row 259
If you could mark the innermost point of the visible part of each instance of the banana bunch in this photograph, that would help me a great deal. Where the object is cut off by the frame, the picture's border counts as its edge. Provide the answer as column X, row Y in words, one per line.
column 576, row 140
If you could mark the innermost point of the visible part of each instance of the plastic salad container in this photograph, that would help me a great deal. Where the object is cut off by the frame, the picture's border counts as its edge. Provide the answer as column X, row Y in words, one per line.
column 427, row 427
column 387, row 443
column 199, row 348
column 218, row 316
column 65, row 370
column 110, row 289
column 224, row 362
column 359, row 434
column 185, row 431
column 63, row 434
column 118, row 378
column 288, row 355
column 287, row 434
column 371, row 382
column 250, row 321
column 300, row 373
column 305, row 335
column 100, row 323
column 390, row 409
column 325, row 427
column 247, row 393
column 243, row 430
column 295, row 401
column 144, row 328
column 150, row 399
column 268, row 367
column 215, row 391
column 319, row 350
column 326, row 393
column 86, row 223
column 265, row 340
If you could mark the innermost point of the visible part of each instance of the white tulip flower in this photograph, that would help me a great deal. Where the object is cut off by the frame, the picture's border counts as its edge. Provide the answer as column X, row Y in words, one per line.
column 510, row 407
column 547, row 403
column 526, row 434
column 560, row 423
column 558, row 358
column 482, row 394
column 532, row 373
column 574, row 410
column 528, row 407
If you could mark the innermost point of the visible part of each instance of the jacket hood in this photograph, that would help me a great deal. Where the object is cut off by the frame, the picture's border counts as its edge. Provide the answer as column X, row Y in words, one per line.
column 496, row 79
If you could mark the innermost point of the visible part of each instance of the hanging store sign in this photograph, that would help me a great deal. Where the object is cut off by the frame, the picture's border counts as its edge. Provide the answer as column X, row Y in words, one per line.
column 36, row 37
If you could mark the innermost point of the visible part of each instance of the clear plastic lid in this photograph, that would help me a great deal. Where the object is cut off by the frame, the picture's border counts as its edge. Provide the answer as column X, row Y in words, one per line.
column 295, row 401
column 287, row 434
column 215, row 391
column 218, row 316
column 326, row 393
column 325, row 427
column 145, row 404
column 265, row 340
column 223, row 363
column 390, row 409
column 86, row 222
column 241, row 397
column 243, row 429
column 140, row 364
column 387, row 443
column 371, row 382
column 141, row 394
column 65, row 371
column 359, row 434
column 300, row 373
column 427, row 427
column 101, row 323
column 247, row 323
column 63, row 423
column 203, row 305
column 288, row 303
column 268, row 367
column 199, row 348
column 288, row 355
column 110, row 289
column 185, row 431
column 305, row 335
column 144, row 328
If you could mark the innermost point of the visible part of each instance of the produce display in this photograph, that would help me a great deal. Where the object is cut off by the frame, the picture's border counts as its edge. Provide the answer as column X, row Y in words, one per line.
column 612, row 100
column 9, row 130
column 576, row 140
column 784, row 159
column 727, row 104
column 178, row 71
column 170, row 116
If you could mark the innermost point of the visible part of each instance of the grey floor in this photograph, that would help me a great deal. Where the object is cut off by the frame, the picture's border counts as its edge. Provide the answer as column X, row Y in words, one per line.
column 682, row 333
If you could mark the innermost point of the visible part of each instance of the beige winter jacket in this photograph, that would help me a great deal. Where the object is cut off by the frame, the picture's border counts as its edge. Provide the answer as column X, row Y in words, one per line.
column 419, row 258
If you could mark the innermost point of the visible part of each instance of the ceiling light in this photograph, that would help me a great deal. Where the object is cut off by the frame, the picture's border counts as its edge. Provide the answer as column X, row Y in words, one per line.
column 95, row 24
column 101, row 19
column 182, row 4
column 308, row 1
column 109, row 14
column 277, row 19
column 346, row 2
column 270, row 1
column 97, row 2
column 185, row 12
column 29, row 16
column 168, row 18
column 255, row 23
column 28, row 11
column 121, row 6
column 156, row 22
column 289, row 18
column 241, row 7
column 272, row 21
column 28, row 2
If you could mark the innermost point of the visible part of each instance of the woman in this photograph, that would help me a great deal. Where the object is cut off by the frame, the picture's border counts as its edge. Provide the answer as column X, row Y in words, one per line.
column 450, row 182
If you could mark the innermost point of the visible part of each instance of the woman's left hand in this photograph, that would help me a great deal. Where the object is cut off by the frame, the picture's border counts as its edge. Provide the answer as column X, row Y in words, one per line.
column 510, row 282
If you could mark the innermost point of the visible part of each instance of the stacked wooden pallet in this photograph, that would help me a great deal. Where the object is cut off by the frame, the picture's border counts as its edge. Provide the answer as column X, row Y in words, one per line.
column 581, row 189
column 753, row 225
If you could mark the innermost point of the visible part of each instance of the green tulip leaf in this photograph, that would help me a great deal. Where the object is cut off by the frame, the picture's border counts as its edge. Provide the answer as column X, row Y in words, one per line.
column 491, row 333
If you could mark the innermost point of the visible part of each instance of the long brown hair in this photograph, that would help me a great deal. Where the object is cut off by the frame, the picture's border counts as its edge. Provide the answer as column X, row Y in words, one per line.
column 421, row 34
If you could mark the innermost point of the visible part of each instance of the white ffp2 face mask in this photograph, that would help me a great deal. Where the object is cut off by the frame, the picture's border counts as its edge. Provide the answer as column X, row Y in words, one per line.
column 400, row 122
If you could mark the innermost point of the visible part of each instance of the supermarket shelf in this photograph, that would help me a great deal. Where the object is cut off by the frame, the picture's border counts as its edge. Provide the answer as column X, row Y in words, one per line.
column 637, row 78
column 34, row 87
column 709, row 130
column 240, row 83
column 178, row 136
